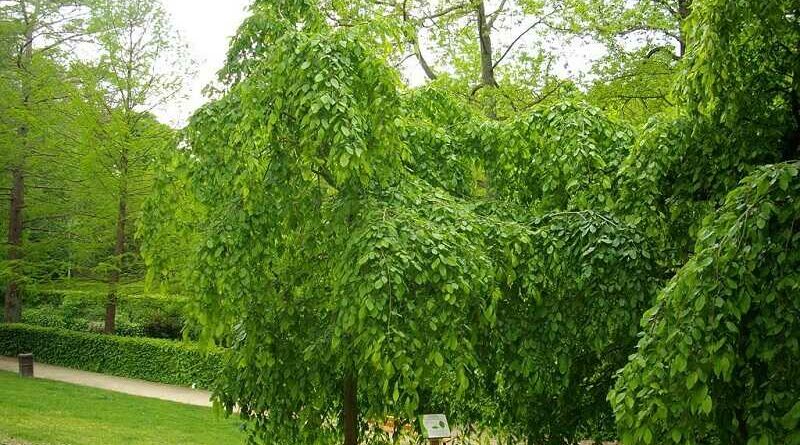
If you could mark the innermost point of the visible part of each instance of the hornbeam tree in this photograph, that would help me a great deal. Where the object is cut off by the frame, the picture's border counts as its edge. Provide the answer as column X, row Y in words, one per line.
column 345, row 288
column 717, row 362
column 351, row 270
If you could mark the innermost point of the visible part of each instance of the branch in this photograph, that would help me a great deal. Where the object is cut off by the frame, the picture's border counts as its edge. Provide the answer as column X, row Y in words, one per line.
column 493, row 16
column 324, row 174
column 514, row 42
column 442, row 12
column 415, row 43
column 649, row 29
column 667, row 7
column 425, row 67
column 475, row 89
column 529, row 29
column 658, row 49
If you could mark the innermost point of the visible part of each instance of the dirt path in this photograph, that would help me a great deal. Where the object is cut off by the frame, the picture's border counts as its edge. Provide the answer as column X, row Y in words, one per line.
column 135, row 387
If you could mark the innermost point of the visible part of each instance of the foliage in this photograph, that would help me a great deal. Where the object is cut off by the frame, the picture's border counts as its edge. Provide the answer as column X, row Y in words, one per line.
column 719, row 352
column 323, row 253
column 45, row 412
column 80, row 306
column 567, row 321
column 163, row 361
column 743, row 64
column 562, row 156
column 680, row 168
column 480, row 245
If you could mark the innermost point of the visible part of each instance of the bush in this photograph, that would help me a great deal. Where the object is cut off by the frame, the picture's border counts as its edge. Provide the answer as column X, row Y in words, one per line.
column 164, row 361
column 53, row 317
column 138, row 315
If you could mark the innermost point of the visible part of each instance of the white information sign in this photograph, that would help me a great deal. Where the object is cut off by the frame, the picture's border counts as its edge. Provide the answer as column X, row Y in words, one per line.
column 434, row 426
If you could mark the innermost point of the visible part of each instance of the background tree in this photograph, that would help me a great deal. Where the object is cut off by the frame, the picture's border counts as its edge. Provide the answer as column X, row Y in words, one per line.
column 140, row 69
column 36, row 87
column 644, row 40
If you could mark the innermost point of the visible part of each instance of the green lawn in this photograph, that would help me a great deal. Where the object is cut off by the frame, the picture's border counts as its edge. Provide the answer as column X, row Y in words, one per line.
column 44, row 412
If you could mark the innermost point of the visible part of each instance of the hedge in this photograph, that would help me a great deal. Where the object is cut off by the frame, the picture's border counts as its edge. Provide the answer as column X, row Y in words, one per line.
column 163, row 361
column 36, row 296
column 138, row 315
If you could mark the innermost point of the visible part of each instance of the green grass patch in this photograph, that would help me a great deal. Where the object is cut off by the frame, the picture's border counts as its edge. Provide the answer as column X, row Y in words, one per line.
column 44, row 412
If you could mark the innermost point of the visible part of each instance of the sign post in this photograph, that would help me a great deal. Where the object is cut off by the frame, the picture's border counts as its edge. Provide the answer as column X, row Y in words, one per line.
column 434, row 428
column 25, row 365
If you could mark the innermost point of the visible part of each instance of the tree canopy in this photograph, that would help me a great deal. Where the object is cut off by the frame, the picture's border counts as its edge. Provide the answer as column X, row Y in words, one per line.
column 546, row 258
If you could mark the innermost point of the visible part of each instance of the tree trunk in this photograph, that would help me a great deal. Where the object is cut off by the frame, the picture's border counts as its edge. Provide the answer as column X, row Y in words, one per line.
column 12, row 312
column 684, row 9
column 487, row 64
column 119, row 246
column 350, row 413
column 485, row 40
column 13, row 298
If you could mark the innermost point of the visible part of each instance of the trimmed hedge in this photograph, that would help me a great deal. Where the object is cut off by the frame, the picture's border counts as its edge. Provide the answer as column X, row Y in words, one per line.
column 163, row 361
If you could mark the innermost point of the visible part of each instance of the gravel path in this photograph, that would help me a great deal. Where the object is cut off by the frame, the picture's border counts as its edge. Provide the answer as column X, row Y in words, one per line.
column 135, row 387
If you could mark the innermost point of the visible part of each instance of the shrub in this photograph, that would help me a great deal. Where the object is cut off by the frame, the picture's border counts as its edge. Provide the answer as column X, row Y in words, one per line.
column 155, row 360
column 138, row 315
column 53, row 317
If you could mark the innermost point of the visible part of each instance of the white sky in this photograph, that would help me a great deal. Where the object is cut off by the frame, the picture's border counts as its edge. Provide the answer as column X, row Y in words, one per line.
column 206, row 26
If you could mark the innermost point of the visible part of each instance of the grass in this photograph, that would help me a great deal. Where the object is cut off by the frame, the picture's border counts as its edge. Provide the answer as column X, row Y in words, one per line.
column 43, row 412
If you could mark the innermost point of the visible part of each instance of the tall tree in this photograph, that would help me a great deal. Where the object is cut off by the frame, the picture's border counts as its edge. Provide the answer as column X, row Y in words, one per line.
column 37, row 32
column 472, row 46
column 141, row 68
column 645, row 41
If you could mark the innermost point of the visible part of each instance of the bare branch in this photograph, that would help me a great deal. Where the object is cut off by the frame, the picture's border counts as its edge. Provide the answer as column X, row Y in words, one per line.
column 493, row 16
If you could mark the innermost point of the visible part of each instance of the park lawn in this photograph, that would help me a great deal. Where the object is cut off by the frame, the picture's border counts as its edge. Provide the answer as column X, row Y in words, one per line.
column 44, row 412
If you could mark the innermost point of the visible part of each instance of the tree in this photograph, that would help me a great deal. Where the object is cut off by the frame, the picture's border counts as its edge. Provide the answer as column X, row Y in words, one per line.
column 37, row 33
column 716, row 360
column 645, row 42
column 131, row 80
column 343, row 280
column 367, row 250
column 343, row 266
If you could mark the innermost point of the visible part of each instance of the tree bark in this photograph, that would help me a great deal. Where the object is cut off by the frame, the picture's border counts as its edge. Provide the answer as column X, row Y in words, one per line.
column 487, row 65
column 421, row 59
column 684, row 9
column 350, row 413
column 485, row 40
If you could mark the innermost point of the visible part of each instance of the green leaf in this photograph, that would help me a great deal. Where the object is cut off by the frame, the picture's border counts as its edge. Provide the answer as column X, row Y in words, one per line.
column 438, row 359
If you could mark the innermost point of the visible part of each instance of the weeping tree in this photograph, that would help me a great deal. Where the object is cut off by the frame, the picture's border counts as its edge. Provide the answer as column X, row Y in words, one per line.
column 345, row 287
column 366, row 251
column 717, row 362
column 354, row 244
